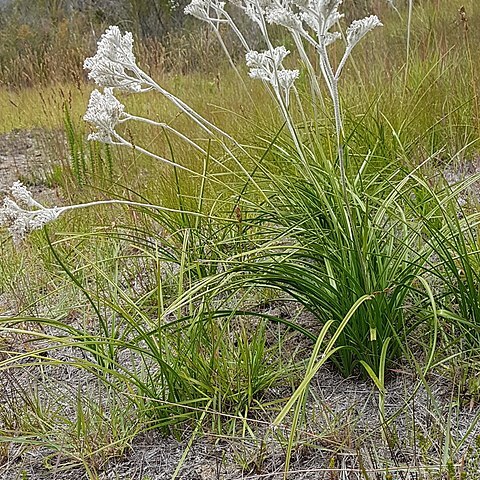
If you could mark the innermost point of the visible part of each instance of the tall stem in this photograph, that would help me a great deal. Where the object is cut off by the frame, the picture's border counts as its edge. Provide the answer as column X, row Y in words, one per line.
column 409, row 29
column 128, row 203
column 332, row 82
column 314, row 86
column 169, row 128
column 339, row 130
column 288, row 120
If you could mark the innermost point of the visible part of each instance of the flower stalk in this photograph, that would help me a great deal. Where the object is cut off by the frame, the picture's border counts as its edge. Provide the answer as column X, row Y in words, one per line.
column 21, row 214
column 309, row 21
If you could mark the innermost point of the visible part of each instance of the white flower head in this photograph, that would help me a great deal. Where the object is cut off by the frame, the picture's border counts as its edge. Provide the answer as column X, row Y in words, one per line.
column 104, row 112
column 311, row 20
column 318, row 24
column 114, row 59
column 198, row 9
column 23, row 196
column 201, row 9
column 328, row 8
column 270, row 59
column 283, row 16
column 359, row 28
column 267, row 66
column 20, row 222
column 254, row 59
column 277, row 55
column 330, row 38
column 332, row 19
column 320, row 15
column 286, row 78
column 260, row 74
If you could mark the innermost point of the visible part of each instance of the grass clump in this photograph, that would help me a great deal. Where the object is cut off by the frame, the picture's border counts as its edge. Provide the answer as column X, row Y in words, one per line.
column 339, row 243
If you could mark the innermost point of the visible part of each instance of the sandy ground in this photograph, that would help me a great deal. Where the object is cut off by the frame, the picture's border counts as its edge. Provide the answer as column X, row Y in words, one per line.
column 342, row 435
column 27, row 155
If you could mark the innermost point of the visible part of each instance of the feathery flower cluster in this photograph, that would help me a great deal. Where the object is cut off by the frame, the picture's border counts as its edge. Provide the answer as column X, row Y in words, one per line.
column 104, row 112
column 20, row 221
column 328, row 9
column 269, row 58
column 267, row 66
column 284, row 16
column 286, row 78
column 359, row 28
column 203, row 9
column 114, row 63
column 23, row 196
column 321, row 16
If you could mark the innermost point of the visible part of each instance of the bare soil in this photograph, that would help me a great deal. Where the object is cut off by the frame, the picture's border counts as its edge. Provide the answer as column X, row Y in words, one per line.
column 342, row 437
column 28, row 155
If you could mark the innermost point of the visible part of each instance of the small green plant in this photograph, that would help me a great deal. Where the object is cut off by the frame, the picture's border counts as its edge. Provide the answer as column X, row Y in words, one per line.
column 91, row 162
